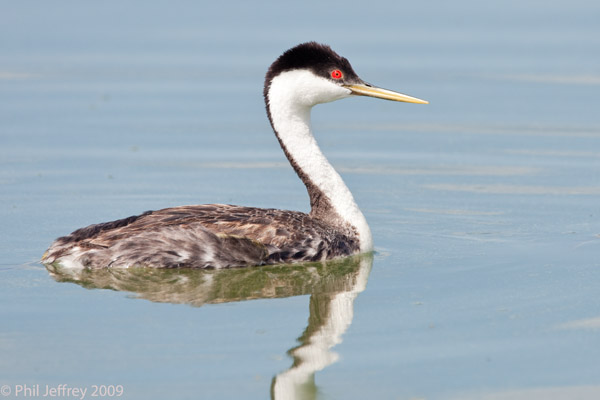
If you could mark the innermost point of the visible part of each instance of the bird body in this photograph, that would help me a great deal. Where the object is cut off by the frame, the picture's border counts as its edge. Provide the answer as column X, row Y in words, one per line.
column 204, row 236
column 225, row 236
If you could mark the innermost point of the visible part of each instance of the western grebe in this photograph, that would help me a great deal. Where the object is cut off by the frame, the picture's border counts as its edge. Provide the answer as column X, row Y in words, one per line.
column 225, row 236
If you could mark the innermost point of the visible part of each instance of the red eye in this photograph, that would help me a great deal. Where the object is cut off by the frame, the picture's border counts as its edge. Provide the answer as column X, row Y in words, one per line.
column 336, row 74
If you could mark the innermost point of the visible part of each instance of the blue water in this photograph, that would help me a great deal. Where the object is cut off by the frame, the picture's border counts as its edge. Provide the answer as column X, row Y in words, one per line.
column 483, row 204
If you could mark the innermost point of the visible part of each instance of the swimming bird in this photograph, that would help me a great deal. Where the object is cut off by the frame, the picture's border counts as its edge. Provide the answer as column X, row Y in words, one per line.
column 226, row 236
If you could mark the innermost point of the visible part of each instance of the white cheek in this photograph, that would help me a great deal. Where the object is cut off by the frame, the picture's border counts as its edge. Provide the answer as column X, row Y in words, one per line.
column 302, row 87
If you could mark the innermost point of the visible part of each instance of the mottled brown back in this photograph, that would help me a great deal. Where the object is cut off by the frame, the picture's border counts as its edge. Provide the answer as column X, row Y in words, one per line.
column 204, row 236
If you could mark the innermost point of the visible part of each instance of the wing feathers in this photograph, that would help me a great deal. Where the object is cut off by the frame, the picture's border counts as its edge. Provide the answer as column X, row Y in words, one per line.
column 205, row 236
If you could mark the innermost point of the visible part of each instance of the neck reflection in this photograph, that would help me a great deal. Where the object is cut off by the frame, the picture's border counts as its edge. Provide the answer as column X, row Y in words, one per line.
column 331, row 313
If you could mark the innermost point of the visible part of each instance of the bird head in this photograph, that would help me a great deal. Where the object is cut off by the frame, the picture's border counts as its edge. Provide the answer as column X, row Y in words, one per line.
column 312, row 73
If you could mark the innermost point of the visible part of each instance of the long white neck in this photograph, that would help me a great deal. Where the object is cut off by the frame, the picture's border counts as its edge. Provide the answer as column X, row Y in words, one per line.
column 290, row 98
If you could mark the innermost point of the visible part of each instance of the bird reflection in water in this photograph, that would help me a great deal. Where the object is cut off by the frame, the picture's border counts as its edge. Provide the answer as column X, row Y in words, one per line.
column 332, row 285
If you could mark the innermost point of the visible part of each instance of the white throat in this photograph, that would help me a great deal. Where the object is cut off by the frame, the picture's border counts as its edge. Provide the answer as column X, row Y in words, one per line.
column 292, row 95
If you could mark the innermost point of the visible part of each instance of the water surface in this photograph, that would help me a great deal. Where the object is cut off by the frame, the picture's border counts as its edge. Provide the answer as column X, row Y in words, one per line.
column 483, row 204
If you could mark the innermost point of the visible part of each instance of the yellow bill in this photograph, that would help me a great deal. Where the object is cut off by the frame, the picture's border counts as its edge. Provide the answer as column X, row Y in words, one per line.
column 372, row 91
